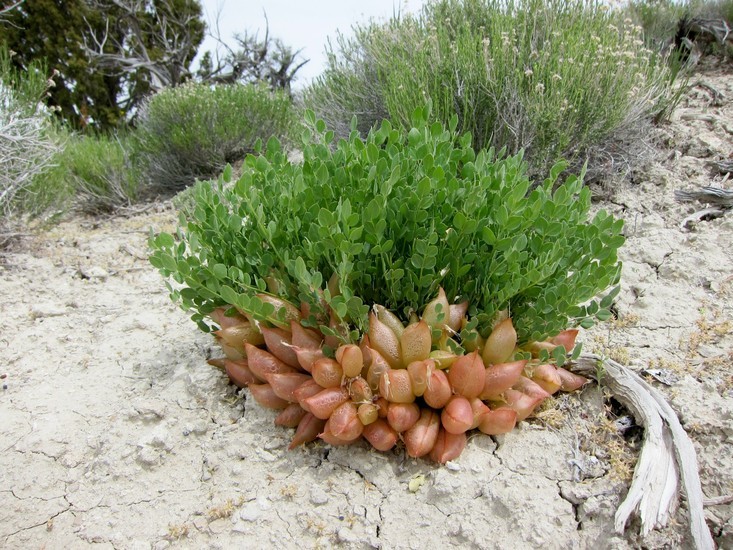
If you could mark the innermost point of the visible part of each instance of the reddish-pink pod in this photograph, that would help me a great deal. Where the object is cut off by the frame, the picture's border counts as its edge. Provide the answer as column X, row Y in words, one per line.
column 306, row 390
column 351, row 359
column 438, row 390
column 535, row 348
column 290, row 416
column 420, row 439
column 546, row 376
column 235, row 336
column 501, row 377
column 498, row 421
column 500, row 343
column 344, row 422
column 239, row 373
column 378, row 367
column 384, row 341
column 467, row 375
column 366, row 353
column 266, row 396
column 231, row 353
column 381, row 435
column 262, row 363
column 448, row 446
column 292, row 313
column 566, row 339
column 479, row 408
column 521, row 402
column 360, row 391
column 280, row 343
column 327, row 372
column 396, row 387
column 402, row 416
column 308, row 430
column 457, row 314
column 220, row 317
column 420, row 374
column 325, row 402
column 457, row 416
column 332, row 439
column 307, row 357
column 415, row 342
column 528, row 387
column 304, row 338
column 284, row 385
column 571, row 381
column 382, row 407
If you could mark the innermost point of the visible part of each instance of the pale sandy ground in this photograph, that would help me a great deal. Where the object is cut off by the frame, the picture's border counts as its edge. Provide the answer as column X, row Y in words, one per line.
column 115, row 433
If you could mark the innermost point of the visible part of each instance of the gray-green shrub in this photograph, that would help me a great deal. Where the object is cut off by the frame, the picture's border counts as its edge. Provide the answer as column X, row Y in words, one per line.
column 193, row 131
column 556, row 79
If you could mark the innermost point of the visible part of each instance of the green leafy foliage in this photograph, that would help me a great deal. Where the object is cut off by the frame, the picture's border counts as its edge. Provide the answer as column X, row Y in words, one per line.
column 394, row 218
column 193, row 131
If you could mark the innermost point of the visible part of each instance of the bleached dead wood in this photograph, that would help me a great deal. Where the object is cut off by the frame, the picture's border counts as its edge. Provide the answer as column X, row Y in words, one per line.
column 667, row 455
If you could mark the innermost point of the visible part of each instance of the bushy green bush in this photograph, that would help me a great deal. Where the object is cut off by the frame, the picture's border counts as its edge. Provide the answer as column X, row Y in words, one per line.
column 93, row 174
column 392, row 219
column 27, row 141
column 553, row 78
column 192, row 131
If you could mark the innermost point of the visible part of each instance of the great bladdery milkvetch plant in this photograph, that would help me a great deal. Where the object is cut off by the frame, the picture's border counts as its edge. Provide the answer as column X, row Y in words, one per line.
column 401, row 288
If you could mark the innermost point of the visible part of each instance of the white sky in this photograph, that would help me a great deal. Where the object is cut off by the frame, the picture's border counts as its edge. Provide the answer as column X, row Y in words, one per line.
column 298, row 23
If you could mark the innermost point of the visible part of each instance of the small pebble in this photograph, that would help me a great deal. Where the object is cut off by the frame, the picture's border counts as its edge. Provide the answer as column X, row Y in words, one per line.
column 5, row 386
column 3, row 376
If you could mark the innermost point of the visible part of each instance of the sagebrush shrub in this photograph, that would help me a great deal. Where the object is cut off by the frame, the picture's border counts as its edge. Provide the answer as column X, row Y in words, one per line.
column 191, row 132
column 551, row 78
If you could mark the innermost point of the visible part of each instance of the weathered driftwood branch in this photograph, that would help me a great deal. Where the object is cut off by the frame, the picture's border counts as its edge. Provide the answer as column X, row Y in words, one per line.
column 711, row 195
column 667, row 454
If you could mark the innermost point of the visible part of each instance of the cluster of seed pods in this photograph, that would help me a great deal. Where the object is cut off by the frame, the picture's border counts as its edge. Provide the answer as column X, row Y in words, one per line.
column 400, row 383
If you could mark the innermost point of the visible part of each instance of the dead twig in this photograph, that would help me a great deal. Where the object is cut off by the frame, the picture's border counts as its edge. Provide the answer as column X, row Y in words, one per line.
column 718, row 501
column 666, row 456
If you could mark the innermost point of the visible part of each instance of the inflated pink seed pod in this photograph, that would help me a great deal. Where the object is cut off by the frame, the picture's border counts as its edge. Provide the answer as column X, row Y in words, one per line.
column 438, row 391
column 498, row 421
column 382, row 407
column 325, row 402
column 236, row 335
column 230, row 352
column 307, row 357
column 448, row 446
column 327, row 372
column 501, row 377
column 443, row 359
column 374, row 374
column 359, row 390
column 384, row 341
column 420, row 372
column 528, row 387
column 290, row 416
column 329, row 437
column 305, row 338
column 262, row 363
column 420, row 439
column 395, row 386
column 280, row 343
column 220, row 317
column 571, row 381
column 566, row 339
column 402, row 416
column 389, row 319
column 381, row 435
column 367, row 413
column 266, row 396
column 467, row 375
column 344, row 422
column 366, row 353
column 415, row 343
column 547, row 377
column 521, row 402
column 479, row 408
column 306, row 390
column 500, row 344
column 437, row 312
column 292, row 313
column 284, row 385
column 307, row 431
column 457, row 315
column 351, row 359
column 239, row 373
column 535, row 348
column 457, row 416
